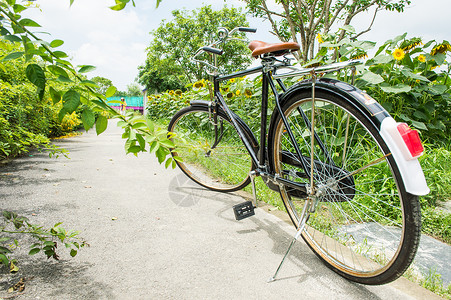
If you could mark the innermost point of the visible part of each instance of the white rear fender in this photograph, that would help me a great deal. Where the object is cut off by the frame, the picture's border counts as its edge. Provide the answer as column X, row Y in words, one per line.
column 409, row 167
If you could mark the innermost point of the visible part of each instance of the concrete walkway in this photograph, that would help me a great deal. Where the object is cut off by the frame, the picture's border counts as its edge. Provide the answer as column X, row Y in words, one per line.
column 154, row 235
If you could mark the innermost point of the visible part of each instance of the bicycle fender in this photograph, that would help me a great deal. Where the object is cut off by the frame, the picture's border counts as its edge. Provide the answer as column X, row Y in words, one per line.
column 410, row 169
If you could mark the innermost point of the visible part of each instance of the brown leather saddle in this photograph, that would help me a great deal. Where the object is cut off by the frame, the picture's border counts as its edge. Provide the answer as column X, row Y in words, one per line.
column 277, row 49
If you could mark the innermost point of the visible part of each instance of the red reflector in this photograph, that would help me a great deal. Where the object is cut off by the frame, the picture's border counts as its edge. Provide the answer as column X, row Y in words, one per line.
column 411, row 139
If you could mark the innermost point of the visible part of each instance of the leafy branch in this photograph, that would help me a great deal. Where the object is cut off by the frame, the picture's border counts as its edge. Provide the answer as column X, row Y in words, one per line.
column 44, row 240
column 81, row 96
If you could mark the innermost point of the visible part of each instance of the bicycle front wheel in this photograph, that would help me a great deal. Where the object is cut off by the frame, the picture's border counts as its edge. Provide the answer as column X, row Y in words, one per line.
column 211, row 151
column 363, row 224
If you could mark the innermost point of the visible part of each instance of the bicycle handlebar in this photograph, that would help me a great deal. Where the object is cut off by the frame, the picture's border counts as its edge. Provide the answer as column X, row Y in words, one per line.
column 223, row 34
column 213, row 50
column 247, row 29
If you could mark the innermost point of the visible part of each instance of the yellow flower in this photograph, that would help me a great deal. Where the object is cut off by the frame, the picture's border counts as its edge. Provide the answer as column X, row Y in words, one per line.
column 199, row 84
column 232, row 80
column 171, row 92
column 410, row 44
column 422, row 58
column 230, row 95
column 178, row 92
column 441, row 48
column 398, row 54
column 320, row 39
column 225, row 89
column 238, row 92
column 248, row 93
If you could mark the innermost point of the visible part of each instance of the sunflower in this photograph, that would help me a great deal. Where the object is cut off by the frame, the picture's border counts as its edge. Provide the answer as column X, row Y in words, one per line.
column 248, row 93
column 238, row 92
column 199, row 84
column 230, row 95
column 408, row 45
column 178, row 92
column 441, row 48
column 422, row 58
column 232, row 80
column 359, row 54
column 225, row 89
column 398, row 54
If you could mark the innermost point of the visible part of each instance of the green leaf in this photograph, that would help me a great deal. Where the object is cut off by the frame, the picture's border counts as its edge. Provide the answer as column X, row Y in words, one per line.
column 419, row 125
column 101, row 124
column 58, row 71
column 414, row 76
column 119, row 6
column 399, row 88
column 13, row 55
column 439, row 58
column 141, row 141
column 167, row 143
column 100, row 104
column 12, row 38
column 372, row 78
column 382, row 59
column 420, row 115
column 73, row 252
column 88, row 118
column 55, row 95
column 60, row 54
column 348, row 28
column 90, row 83
column 28, row 22
column 56, row 43
column 168, row 162
column 71, row 100
column 114, row 102
column 438, row 89
column 34, row 251
column 62, row 113
column 36, row 75
column 4, row 259
column 161, row 154
column 62, row 78
column 110, row 91
column 86, row 69
column 139, row 125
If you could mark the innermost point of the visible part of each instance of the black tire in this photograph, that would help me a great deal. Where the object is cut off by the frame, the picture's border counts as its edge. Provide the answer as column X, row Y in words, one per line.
column 223, row 167
column 365, row 226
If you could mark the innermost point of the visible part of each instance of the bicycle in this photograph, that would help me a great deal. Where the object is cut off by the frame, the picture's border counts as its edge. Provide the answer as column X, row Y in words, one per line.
column 347, row 172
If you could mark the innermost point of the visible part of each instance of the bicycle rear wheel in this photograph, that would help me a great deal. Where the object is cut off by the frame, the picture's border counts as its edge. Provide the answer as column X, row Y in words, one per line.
column 213, row 156
column 364, row 225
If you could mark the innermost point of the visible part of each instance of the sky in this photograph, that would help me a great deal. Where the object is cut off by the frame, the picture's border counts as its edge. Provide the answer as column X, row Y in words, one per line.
column 115, row 42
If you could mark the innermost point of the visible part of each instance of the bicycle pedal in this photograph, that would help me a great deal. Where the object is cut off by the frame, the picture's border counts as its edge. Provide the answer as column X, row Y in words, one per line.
column 243, row 210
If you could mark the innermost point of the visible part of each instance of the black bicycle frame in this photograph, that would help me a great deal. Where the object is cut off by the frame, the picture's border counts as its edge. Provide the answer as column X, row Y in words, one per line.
column 260, row 157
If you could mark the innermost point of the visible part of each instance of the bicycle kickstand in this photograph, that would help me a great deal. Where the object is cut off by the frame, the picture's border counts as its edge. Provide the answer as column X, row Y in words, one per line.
column 301, row 226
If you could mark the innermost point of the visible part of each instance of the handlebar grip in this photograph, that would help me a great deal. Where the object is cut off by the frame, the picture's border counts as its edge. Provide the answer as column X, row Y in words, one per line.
column 246, row 29
column 213, row 50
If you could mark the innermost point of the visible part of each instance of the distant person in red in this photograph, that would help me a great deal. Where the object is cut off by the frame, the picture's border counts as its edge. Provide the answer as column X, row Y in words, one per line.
column 123, row 106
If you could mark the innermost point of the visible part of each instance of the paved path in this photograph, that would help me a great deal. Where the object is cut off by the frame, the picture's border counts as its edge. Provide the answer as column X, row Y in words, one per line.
column 169, row 239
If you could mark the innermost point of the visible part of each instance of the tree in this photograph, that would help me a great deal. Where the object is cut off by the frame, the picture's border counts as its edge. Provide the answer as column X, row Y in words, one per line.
column 103, row 83
column 133, row 90
column 169, row 65
column 303, row 20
